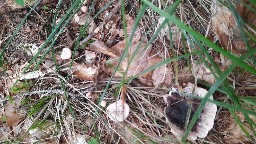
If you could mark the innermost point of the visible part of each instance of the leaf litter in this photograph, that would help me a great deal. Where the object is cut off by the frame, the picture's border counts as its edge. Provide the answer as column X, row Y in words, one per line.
column 94, row 62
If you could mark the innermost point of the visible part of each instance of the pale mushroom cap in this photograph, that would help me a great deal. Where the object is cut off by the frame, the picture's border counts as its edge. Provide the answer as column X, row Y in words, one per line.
column 118, row 111
column 66, row 53
column 103, row 103
column 34, row 49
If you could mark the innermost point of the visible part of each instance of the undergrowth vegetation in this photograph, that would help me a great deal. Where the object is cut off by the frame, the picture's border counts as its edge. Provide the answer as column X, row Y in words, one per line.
column 64, row 63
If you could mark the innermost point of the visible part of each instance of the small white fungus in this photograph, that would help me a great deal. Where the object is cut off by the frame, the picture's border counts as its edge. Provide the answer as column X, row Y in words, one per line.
column 118, row 111
column 103, row 103
column 34, row 49
column 66, row 53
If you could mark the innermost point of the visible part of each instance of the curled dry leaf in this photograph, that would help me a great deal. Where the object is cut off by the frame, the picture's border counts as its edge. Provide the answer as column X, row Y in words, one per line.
column 162, row 75
column 13, row 117
column 225, row 26
column 85, row 73
column 118, row 111
column 203, row 73
column 99, row 46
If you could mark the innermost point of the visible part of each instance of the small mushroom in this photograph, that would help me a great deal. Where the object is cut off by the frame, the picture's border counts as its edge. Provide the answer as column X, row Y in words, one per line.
column 103, row 103
column 34, row 49
column 177, row 110
column 118, row 111
column 66, row 53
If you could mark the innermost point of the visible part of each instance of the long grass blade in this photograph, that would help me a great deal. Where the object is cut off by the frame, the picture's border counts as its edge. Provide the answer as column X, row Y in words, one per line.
column 202, row 38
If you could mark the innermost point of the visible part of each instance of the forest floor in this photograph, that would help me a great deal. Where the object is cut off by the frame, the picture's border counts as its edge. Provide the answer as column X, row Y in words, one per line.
column 65, row 62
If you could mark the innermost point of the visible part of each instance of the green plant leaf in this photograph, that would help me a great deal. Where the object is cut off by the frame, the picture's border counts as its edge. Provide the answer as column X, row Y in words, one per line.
column 20, row 2
column 209, row 43
column 92, row 141
column 38, row 106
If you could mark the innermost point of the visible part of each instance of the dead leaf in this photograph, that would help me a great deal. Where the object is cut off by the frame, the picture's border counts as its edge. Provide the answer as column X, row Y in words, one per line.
column 162, row 76
column 234, row 132
column 140, row 60
column 147, row 77
column 225, row 27
column 84, row 72
column 13, row 116
column 203, row 73
column 100, row 47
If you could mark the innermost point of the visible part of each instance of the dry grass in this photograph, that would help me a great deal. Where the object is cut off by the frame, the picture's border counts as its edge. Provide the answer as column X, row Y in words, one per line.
column 72, row 106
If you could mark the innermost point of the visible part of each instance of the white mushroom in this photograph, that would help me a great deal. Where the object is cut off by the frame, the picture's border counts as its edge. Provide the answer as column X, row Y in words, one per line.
column 178, row 106
column 118, row 111
column 34, row 49
column 103, row 103
column 66, row 53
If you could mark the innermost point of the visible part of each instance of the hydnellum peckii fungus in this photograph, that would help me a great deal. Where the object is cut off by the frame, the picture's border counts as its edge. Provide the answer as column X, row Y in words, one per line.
column 178, row 106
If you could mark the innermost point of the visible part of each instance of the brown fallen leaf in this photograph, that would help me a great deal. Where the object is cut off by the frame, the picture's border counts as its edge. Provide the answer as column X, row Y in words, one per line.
column 147, row 77
column 13, row 116
column 162, row 76
column 225, row 26
column 84, row 72
column 234, row 132
column 99, row 46
column 139, row 58
column 139, row 61
column 203, row 73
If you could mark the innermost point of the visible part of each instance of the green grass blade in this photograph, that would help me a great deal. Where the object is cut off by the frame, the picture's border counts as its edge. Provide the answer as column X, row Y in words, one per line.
column 211, row 91
column 57, row 35
column 16, row 31
column 138, row 18
column 239, row 123
column 202, row 38
column 56, row 12
column 51, row 36
column 228, row 89
column 169, row 60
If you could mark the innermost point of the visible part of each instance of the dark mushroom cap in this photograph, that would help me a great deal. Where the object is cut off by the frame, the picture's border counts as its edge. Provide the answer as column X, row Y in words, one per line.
column 177, row 110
